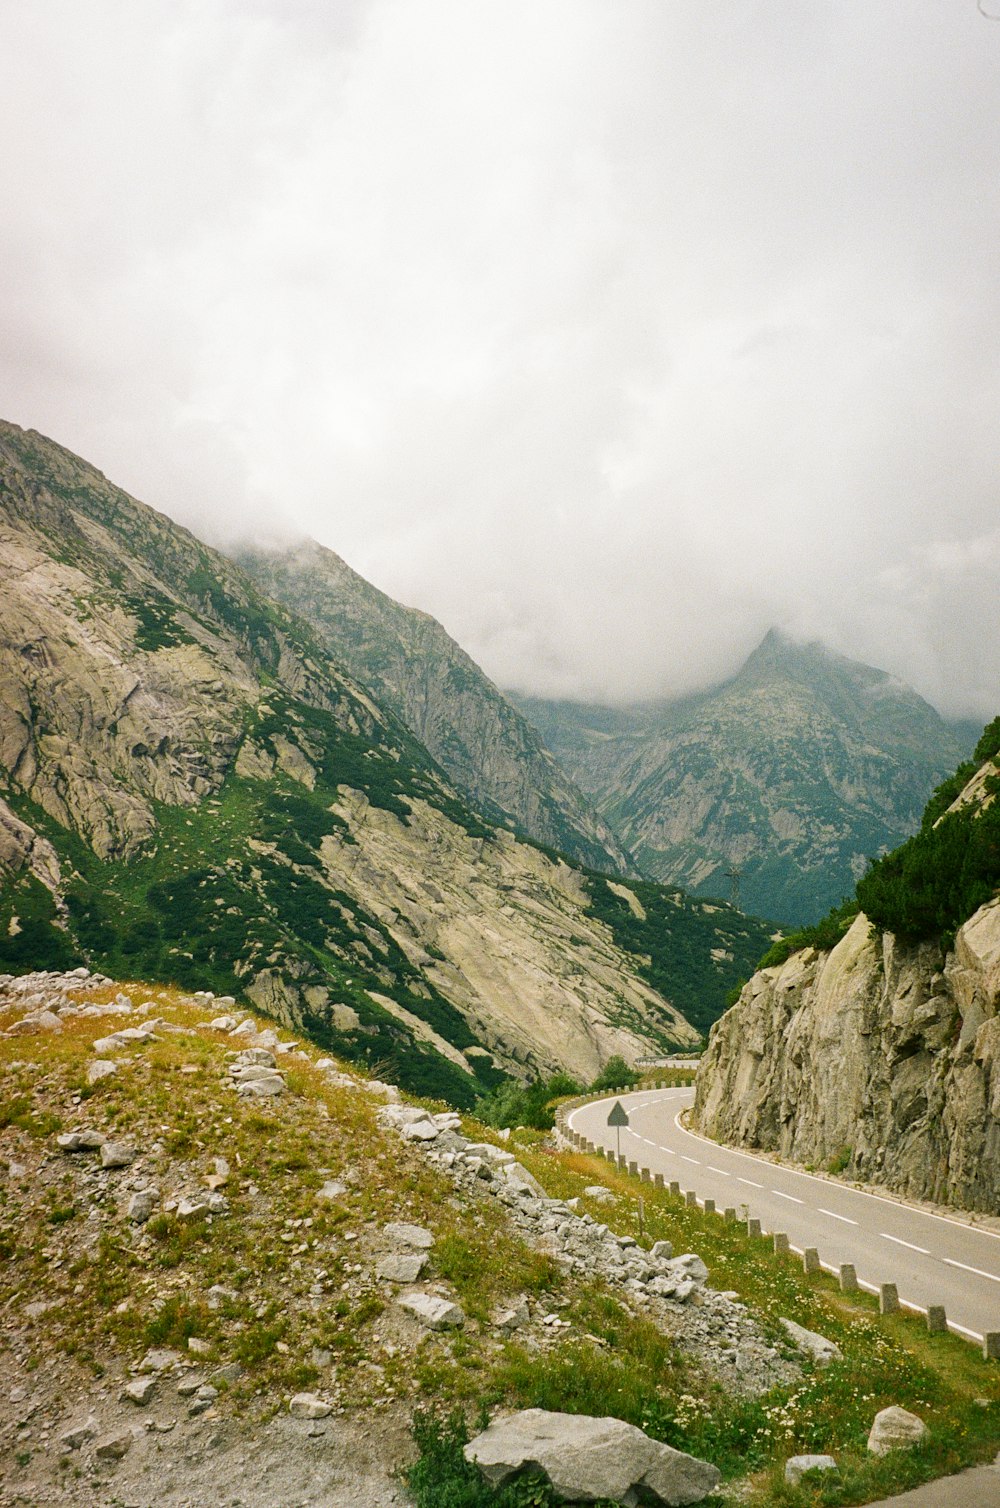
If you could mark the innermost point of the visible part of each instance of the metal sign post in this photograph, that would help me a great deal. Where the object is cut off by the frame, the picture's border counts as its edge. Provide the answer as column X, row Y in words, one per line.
column 618, row 1118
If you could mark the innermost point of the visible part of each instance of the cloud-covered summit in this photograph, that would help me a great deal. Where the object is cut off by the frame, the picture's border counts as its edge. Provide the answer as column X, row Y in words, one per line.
column 609, row 335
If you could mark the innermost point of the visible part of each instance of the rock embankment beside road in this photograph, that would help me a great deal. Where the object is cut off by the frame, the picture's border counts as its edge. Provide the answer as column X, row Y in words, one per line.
column 875, row 1059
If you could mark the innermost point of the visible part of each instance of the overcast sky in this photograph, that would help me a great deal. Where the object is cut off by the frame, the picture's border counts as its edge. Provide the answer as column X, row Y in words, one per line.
column 611, row 332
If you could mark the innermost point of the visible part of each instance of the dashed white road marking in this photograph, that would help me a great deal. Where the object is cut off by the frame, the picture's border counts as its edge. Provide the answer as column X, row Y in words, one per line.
column 900, row 1242
column 691, row 1159
column 790, row 1197
column 834, row 1216
column 749, row 1181
column 721, row 1171
column 977, row 1270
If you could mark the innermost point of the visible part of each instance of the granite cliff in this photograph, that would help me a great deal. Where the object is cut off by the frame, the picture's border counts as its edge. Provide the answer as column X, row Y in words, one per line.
column 881, row 1056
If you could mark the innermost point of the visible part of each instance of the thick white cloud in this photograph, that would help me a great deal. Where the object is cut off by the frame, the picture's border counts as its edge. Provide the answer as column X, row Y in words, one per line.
column 610, row 334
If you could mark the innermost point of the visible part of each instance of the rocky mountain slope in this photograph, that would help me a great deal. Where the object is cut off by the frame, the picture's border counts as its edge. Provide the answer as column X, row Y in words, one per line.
column 231, row 1271
column 793, row 773
column 881, row 1056
column 192, row 791
column 416, row 669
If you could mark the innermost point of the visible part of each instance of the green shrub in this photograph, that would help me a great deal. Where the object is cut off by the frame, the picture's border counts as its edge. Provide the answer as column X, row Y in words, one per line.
column 514, row 1104
column 616, row 1074
column 823, row 936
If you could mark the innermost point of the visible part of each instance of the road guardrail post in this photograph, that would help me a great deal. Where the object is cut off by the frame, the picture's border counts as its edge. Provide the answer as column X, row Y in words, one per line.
column 888, row 1299
column 848, row 1278
column 810, row 1259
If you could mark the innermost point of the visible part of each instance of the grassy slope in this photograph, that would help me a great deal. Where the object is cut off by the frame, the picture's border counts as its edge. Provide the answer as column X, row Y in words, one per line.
column 114, row 1294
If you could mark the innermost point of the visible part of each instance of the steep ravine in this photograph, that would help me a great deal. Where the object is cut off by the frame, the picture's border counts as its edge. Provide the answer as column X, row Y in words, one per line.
column 876, row 1059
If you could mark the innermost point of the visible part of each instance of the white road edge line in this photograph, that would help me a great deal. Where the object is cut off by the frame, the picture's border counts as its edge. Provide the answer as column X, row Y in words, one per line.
column 904, row 1303
column 897, row 1204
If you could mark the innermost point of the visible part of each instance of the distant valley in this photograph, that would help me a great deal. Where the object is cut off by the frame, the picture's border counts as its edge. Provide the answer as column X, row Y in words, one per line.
column 778, row 785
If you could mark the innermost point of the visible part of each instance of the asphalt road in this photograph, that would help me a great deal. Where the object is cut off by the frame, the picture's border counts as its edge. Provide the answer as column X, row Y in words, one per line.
column 932, row 1259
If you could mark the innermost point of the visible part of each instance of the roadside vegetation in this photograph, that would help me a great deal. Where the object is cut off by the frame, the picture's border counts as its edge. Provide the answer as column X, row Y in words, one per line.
column 302, row 1309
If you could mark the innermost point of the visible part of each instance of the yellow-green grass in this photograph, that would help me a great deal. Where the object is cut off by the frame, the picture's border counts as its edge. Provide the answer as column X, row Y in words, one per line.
column 886, row 1359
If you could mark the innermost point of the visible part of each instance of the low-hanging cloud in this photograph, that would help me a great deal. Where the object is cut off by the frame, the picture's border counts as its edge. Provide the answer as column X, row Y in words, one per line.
column 611, row 335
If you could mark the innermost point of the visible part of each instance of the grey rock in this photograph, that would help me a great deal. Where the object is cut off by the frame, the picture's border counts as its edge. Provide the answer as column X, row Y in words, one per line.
column 434, row 1313
column 264, row 1088
column 401, row 1233
column 513, row 1317
column 895, row 1428
column 333, row 1189
column 821, row 1350
column 118, row 1154
column 159, row 1360
column 797, row 1466
column 34, row 1022
column 586, row 1459
column 139, row 1391
column 103, row 1068
column 78, row 1434
column 401, row 1267
column 309, row 1406
column 114, row 1447
column 81, row 1141
column 661, row 1251
column 193, row 1207
column 599, row 1193
column 692, row 1266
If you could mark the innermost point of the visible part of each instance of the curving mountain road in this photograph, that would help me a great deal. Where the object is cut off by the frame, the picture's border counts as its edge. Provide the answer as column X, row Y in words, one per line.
column 932, row 1259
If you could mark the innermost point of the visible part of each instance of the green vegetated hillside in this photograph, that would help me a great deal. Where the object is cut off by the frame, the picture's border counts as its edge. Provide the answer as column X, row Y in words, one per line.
column 794, row 773
column 927, row 887
column 192, row 791
column 693, row 951
column 418, row 671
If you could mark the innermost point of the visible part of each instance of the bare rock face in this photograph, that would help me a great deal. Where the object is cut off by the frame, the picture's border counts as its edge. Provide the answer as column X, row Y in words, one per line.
column 876, row 1051
column 539, row 979
column 588, row 1459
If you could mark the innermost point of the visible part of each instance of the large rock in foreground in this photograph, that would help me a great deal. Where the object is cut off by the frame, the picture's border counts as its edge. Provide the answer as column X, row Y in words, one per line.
column 587, row 1459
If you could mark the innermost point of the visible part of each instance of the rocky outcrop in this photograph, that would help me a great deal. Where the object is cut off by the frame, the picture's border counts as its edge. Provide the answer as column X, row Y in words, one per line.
column 478, row 737
column 877, row 1058
column 588, row 1460
column 504, row 933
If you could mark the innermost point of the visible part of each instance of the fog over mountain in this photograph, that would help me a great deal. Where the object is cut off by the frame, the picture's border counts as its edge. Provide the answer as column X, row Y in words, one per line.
column 609, row 335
